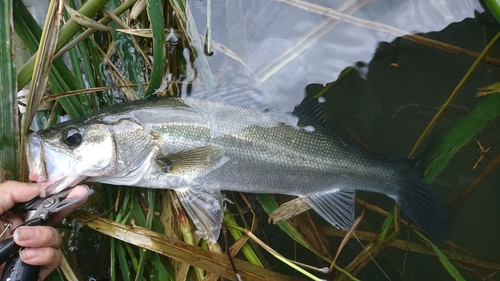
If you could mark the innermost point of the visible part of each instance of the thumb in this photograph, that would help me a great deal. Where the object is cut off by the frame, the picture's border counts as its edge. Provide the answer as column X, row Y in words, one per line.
column 13, row 192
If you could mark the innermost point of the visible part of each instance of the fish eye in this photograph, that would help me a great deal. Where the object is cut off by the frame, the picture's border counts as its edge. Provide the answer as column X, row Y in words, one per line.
column 72, row 137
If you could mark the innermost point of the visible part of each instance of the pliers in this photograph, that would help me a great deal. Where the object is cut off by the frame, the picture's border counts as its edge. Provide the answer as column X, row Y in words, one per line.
column 37, row 212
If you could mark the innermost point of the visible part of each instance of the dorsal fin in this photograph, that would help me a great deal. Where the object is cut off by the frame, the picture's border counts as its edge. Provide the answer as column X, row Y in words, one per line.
column 310, row 111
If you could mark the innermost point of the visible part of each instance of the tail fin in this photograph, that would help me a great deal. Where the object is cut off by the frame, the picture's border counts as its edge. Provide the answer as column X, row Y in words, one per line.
column 419, row 202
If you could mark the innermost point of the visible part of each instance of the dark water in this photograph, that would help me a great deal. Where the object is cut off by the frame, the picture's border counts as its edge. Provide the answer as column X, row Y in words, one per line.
column 386, row 101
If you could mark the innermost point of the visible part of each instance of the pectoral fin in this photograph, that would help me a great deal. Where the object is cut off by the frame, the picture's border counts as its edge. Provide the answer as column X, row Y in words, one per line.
column 204, row 207
column 335, row 206
column 193, row 162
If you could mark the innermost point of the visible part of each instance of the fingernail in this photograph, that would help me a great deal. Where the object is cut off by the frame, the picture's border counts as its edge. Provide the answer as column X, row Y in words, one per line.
column 84, row 186
column 29, row 253
column 36, row 186
column 25, row 233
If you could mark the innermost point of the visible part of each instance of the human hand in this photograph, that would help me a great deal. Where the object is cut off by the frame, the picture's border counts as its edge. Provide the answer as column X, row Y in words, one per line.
column 42, row 242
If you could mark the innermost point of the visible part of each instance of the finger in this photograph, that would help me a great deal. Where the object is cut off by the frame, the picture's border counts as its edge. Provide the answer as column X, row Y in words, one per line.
column 15, row 192
column 37, row 236
column 77, row 192
column 14, row 219
column 8, row 223
column 47, row 258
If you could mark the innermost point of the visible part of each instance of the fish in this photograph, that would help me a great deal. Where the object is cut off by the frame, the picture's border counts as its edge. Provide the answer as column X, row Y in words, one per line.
column 199, row 146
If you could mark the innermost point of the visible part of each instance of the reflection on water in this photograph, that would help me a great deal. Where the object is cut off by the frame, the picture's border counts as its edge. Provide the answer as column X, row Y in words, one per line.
column 286, row 45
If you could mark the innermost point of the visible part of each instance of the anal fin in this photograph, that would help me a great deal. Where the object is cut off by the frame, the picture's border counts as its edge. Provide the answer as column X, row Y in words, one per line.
column 335, row 206
column 204, row 207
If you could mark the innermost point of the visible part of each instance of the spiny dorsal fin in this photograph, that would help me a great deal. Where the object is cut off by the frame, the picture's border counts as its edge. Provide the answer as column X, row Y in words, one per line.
column 310, row 111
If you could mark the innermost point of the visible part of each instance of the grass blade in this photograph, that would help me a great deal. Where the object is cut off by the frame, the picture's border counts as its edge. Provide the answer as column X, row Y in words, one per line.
column 41, row 71
column 163, row 270
column 105, row 20
column 281, row 258
column 188, row 25
column 466, row 193
column 442, row 257
column 494, row 7
column 148, row 223
column 70, row 28
column 60, row 78
column 122, row 259
column 269, row 205
column 196, row 256
column 85, row 21
column 9, row 130
column 130, row 57
column 245, row 249
column 461, row 134
column 155, row 13
column 455, row 92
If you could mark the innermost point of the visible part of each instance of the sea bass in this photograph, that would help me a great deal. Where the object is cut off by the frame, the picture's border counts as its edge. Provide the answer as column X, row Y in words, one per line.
column 199, row 147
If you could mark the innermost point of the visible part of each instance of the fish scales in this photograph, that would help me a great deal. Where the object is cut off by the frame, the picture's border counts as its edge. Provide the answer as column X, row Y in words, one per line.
column 199, row 147
column 260, row 152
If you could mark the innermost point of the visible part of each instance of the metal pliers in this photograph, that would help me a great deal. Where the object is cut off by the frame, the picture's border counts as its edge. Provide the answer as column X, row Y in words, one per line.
column 37, row 212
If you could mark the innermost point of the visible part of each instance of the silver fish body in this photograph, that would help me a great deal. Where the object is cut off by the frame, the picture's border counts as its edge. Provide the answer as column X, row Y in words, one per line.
column 199, row 147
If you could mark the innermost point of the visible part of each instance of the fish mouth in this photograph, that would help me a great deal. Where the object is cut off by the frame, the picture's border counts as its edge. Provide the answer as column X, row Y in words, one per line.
column 50, row 175
column 34, row 156
column 51, row 187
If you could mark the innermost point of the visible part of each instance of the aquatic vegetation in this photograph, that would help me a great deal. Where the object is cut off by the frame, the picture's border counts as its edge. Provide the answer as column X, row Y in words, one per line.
column 126, row 50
